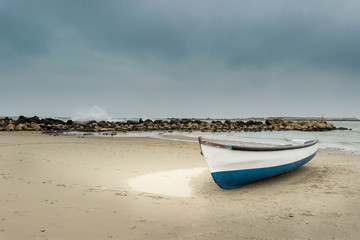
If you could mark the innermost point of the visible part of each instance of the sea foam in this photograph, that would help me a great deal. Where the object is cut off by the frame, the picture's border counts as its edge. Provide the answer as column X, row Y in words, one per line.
column 94, row 113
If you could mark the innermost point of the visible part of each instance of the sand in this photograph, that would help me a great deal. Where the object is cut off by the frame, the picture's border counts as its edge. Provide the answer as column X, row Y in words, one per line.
column 66, row 187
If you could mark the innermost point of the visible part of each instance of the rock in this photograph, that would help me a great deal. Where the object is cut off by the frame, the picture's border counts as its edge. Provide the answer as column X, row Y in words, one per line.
column 185, row 121
column 174, row 121
column 34, row 119
column 148, row 121
column 21, row 119
column 106, row 130
column 158, row 122
column 60, row 127
column 51, row 121
column 117, row 127
column 24, row 120
column 35, row 126
column 79, row 128
column 251, row 122
column 185, row 124
column 10, row 127
column 102, row 124
column 273, row 121
column 132, row 122
column 20, row 127
column 240, row 123
column 289, row 127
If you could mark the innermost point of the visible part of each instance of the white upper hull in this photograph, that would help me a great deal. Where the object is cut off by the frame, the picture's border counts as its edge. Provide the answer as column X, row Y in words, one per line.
column 222, row 159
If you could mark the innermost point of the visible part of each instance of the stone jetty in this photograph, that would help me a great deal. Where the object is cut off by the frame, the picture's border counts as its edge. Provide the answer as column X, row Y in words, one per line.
column 183, row 125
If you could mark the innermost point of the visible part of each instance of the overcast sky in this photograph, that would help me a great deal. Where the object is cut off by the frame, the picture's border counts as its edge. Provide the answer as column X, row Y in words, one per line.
column 180, row 58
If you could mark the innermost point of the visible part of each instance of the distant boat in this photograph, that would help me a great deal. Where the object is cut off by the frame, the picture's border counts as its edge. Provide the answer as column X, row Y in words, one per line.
column 234, row 166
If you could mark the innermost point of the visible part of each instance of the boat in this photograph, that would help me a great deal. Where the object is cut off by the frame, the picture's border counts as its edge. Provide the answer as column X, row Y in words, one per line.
column 233, row 166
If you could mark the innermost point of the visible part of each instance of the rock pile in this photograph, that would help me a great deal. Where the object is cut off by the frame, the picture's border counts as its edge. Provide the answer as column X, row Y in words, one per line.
column 188, row 125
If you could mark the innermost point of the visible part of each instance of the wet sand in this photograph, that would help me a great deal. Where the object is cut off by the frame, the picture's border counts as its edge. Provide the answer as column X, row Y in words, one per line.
column 69, row 187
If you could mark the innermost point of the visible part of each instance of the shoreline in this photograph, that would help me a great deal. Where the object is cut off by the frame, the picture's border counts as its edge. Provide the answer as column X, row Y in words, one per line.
column 178, row 137
column 354, row 119
column 68, row 187
column 160, row 136
column 184, row 124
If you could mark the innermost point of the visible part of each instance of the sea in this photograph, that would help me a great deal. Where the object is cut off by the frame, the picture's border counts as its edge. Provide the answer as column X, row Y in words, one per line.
column 340, row 141
column 345, row 141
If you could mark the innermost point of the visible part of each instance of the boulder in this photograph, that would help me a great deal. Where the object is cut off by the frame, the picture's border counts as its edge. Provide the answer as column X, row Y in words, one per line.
column 251, row 122
column 60, row 127
column 132, row 122
column 273, row 121
column 20, row 127
column 289, row 127
column 34, row 119
column 106, row 130
column 35, row 126
column 185, row 121
column 79, row 128
column 174, row 121
column 117, row 127
column 10, row 127
column 240, row 123
column 158, row 122
column 51, row 121
column 21, row 120
column 147, row 121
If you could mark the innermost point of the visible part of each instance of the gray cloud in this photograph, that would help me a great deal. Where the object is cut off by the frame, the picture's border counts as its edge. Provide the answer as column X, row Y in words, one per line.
column 181, row 58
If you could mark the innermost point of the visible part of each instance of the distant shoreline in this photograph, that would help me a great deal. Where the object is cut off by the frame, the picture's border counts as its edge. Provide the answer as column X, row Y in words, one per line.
column 221, row 119
column 304, row 119
column 205, row 125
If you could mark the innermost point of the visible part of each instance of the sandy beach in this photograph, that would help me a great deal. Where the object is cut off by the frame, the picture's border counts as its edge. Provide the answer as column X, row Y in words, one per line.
column 68, row 187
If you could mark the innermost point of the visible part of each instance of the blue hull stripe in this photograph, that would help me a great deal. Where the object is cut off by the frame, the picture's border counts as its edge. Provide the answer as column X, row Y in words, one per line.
column 239, row 178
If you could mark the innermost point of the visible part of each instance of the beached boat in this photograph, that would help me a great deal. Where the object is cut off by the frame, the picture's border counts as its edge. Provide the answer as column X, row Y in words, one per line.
column 234, row 166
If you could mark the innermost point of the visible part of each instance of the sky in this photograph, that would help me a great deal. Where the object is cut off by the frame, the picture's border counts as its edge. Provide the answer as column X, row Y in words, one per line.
column 161, row 58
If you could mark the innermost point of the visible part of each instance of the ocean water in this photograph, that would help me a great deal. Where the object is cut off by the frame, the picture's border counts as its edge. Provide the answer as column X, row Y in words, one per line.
column 347, row 141
column 344, row 140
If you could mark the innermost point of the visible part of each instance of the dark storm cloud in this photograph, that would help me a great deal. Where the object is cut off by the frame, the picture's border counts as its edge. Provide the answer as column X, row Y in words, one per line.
column 145, row 48
column 238, row 33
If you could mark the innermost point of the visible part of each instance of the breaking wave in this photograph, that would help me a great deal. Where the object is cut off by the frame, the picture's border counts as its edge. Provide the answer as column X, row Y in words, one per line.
column 94, row 113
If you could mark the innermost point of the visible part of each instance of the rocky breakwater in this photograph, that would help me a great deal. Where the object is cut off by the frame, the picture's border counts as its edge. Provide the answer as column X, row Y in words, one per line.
column 188, row 125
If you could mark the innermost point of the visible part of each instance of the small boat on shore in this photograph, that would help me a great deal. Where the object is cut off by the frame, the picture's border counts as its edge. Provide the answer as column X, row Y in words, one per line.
column 234, row 166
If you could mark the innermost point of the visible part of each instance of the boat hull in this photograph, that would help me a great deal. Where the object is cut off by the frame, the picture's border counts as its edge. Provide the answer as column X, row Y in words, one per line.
column 239, row 178
column 236, row 168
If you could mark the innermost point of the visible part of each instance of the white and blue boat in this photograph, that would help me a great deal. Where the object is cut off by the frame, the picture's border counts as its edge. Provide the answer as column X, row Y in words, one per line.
column 234, row 166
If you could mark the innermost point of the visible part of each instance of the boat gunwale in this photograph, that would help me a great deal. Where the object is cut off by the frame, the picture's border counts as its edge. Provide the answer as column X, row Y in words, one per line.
column 257, row 148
